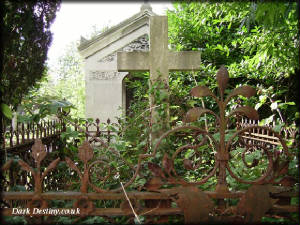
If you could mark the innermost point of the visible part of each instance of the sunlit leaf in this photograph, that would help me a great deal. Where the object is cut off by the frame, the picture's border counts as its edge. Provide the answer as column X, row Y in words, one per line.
column 274, row 106
column 6, row 111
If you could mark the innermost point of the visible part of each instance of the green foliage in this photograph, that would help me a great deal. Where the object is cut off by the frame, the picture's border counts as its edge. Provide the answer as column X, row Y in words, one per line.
column 258, row 51
column 27, row 39
column 62, row 88
column 68, row 79
column 15, row 220
column 39, row 105
column 6, row 111
column 134, row 126
column 262, row 54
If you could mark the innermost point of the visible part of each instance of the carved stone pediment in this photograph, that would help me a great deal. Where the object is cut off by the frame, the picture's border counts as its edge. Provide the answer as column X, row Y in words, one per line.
column 141, row 44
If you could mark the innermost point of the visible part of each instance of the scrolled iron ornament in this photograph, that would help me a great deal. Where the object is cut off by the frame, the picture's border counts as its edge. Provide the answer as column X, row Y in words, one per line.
column 173, row 178
column 273, row 156
column 223, row 147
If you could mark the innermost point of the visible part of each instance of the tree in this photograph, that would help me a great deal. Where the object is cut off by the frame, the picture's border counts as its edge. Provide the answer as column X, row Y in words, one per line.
column 257, row 42
column 62, row 88
column 64, row 81
column 70, row 83
column 27, row 37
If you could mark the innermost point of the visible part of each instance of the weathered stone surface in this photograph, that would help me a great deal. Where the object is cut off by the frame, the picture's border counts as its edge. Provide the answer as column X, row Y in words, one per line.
column 184, row 60
column 139, row 61
column 105, row 89
column 133, row 61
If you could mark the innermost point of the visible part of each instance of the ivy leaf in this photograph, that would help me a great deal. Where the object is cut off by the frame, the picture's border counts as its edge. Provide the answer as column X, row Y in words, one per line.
column 266, row 121
column 263, row 99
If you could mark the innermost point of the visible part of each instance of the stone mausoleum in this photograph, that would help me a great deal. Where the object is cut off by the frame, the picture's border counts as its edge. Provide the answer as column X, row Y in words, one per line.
column 105, row 86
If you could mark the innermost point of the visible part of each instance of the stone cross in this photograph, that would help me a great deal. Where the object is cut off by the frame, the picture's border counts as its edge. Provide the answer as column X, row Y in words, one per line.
column 159, row 61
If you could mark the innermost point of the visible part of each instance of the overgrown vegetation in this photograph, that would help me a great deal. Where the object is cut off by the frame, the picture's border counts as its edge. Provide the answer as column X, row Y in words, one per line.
column 261, row 53
column 258, row 46
column 257, row 42
column 27, row 37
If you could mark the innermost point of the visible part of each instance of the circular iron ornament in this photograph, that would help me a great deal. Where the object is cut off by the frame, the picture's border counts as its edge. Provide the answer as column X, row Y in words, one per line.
column 190, row 166
column 199, row 132
column 262, row 179
column 101, row 179
column 142, row 157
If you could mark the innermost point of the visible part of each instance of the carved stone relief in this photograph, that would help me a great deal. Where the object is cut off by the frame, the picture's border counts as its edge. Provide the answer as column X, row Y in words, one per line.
column 140, row 44
column 103, row 75
column 109, row 58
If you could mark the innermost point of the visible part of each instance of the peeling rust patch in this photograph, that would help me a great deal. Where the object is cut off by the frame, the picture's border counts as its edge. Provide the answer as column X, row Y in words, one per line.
column 196, row 205
column 255, row 203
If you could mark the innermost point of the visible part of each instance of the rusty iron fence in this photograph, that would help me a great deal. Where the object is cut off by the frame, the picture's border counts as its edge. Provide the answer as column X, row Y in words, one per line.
column 93, row 130
column 23, row 135
column 263, row 135
column 196, row 181
column 18, row 143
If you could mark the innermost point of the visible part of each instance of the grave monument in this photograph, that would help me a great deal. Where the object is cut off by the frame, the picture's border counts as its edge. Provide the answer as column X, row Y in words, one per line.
column 105, row 88
column 125, row 48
